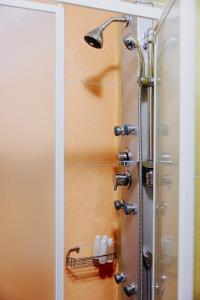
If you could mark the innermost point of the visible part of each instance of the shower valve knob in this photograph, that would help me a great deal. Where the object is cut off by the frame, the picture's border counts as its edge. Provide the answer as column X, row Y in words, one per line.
column 118, row 204
column 130, row 290
column 123, row 156
column 119, row 278
column 129, row 129
column 122, row 179
column 129, row 208
column 118, row 130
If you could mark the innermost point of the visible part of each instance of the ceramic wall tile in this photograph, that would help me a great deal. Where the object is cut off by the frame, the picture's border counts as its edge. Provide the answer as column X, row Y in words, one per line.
column 89, row 199
column 90, row 285
column 84, row 63
column 89, row 210
column 91, row 114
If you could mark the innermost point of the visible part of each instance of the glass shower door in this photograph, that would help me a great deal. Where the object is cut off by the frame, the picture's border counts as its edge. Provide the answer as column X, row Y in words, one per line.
column 166, row 205
column 27, row 152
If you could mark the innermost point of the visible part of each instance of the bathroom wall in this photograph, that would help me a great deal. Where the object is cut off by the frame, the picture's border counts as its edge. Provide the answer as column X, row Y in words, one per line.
column 91, row 111
column 197, row 208
column 92, row 95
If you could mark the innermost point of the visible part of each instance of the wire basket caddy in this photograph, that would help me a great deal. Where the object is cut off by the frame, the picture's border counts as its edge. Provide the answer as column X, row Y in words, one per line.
column 89, row 261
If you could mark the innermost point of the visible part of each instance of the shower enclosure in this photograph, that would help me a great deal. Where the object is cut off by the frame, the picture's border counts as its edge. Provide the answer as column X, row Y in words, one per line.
column 31, row 153
column 69, row 126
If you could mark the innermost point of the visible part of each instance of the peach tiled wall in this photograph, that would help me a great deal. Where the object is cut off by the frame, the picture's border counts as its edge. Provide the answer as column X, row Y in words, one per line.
column 91, row 112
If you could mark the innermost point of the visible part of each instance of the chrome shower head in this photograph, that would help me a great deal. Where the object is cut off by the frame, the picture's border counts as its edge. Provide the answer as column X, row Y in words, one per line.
column 95, row 37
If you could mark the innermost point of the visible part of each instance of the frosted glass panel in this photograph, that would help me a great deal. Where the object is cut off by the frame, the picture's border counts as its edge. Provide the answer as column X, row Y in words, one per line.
column 167, row 150
column 27, row 139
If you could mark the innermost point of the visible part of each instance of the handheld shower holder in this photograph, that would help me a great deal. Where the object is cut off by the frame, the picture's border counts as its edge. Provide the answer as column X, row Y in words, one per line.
column 146, row 82
column 147, row 173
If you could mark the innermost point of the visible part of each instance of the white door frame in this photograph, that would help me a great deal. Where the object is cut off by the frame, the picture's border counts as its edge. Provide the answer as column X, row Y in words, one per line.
column 58, row 10
column 187, row 150
column 120, row 6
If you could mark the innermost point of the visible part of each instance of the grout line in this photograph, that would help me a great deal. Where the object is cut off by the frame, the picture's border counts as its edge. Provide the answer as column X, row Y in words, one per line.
column 105, row 84
column 90, row 164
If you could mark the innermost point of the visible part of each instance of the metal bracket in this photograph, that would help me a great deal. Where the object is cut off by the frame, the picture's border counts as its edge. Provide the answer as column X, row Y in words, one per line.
column 128, row 163
column 146, row 82
column 147, row 173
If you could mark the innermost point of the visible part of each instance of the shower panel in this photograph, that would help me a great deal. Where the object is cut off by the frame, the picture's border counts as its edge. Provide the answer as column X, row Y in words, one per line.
column 137, row 108
column 139, row 275
column 134, row 176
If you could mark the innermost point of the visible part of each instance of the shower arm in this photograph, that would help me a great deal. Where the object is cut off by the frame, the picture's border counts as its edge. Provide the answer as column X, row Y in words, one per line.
column 125, row 19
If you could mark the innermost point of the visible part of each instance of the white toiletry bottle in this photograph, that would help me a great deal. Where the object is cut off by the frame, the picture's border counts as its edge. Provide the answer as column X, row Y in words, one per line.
column 105, row 237
column 96, row 245
column 110, row 250
column 103, row 251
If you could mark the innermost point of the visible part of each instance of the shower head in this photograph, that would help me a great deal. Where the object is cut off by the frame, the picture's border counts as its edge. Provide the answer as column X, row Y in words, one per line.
column 95, row 37
column 132, row 43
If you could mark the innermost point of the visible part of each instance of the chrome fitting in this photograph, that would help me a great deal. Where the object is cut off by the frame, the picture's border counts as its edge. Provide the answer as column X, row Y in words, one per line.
column 146, row 82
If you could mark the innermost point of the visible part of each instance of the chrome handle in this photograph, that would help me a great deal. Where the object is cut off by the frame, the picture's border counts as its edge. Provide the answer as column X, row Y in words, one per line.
column 118, row 204
column 123, row 156
column 129, row 208
column 119, row 278
column 122, row 179
column 127, row 129
column 118, row 130
column 130, row 289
